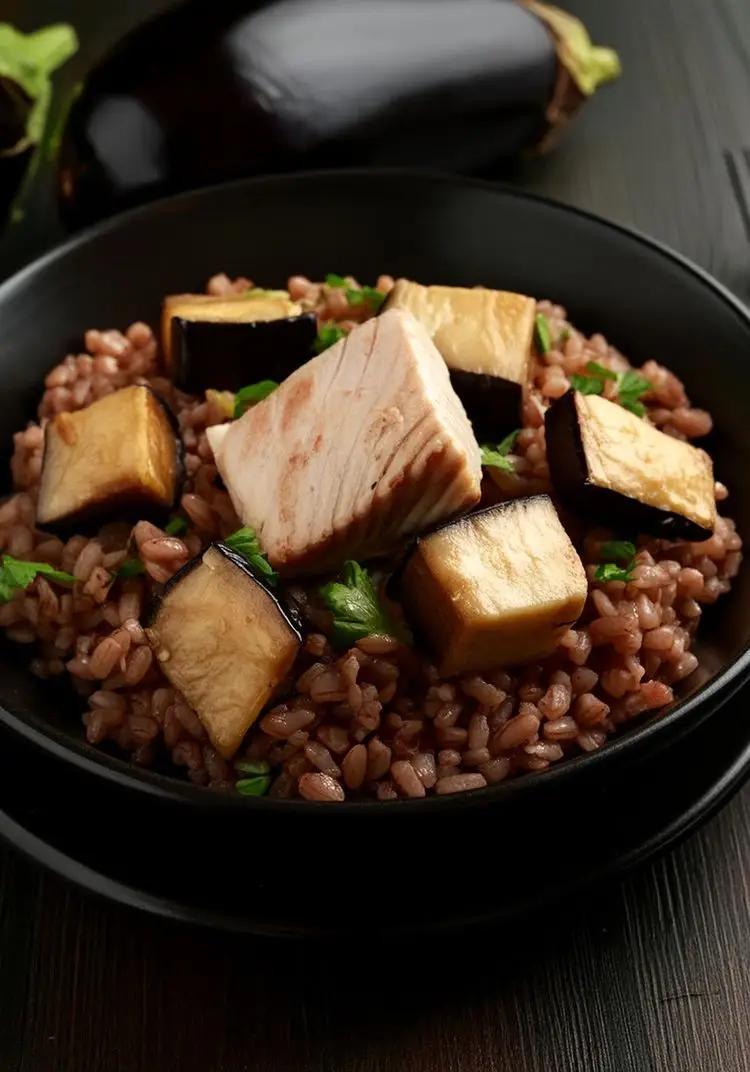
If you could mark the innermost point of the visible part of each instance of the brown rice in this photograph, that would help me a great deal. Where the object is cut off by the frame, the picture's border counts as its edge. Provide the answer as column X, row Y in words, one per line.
column 375, row 720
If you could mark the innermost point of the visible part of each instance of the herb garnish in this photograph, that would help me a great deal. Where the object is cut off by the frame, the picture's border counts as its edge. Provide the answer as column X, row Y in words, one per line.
column 258, row 780
column 252, row 395
column 131, row 567
column 245, row 542
column 542, row 334
column 495, row 457
column 357, row 611
column 630, row 385
column 16, row 574
column 612, row 553
column 357, row 295
column 328, row 334
column 176, row 526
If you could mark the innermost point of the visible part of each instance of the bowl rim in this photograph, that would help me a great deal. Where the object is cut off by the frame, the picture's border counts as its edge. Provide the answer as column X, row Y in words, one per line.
column 166, row 788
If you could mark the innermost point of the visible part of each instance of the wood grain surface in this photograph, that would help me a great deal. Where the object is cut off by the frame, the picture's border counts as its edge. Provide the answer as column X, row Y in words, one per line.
column 654, row 975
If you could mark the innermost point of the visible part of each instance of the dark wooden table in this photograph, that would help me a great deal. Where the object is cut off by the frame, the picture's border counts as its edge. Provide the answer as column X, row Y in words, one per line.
column 656, row 976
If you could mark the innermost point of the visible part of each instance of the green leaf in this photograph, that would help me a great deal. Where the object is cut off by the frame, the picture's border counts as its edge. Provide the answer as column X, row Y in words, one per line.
column 16, row 575
column 257, row 786
column 630, row 386
column 357, row 611
column 542, row 334
column 252, row 766
column 587, row 385
column 599, row 371
column 617, row 551
column 28, row 60
column 357, row 295
column 131, row 567
column 495, row 456
column 176, row 526
column 609, row 571
column 252, row 395
column 328, row 335
column 333, row 280
column 245, row 542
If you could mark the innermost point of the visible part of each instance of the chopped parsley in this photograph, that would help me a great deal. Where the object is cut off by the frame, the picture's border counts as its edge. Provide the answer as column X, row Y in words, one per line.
column 496, row 457
column 131, row 567
column 357, row 295
column 617, row 561
column 252, row 395
column 245, row 542
column 542, row 334
column 258, row 777
column 357, row 611
column 16, row 575
column 328, row 334
column 630, row 385
column 176, row 526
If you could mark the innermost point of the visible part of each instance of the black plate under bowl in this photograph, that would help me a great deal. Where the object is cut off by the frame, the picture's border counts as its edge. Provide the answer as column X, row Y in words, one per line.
column 647, row 300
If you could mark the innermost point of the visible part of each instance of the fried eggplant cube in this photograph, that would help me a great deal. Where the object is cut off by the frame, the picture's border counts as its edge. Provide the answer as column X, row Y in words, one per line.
column 495, row 588
column 616, row 469
column 224, row 640
column 484, row 337
column 120, row 454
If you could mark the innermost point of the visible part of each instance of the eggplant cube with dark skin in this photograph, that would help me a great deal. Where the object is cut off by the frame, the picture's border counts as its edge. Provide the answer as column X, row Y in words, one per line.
column 223, row 639
column 228, row 342
column 616, row 469
column 484, row 337
column 120, row 453
column 495, row 588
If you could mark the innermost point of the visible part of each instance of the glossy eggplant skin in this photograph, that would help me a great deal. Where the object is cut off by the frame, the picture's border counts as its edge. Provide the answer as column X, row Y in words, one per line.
column 209, row 91
column 570, row 478
column 493, row 404
column 227, row 356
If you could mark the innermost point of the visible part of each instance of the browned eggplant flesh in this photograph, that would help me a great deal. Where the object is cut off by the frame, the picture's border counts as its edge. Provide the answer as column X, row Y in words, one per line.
column 495, row 588
column 485, row 338
column 228, row 342
column 225, row 641
column 120, row 454
column 617, row 469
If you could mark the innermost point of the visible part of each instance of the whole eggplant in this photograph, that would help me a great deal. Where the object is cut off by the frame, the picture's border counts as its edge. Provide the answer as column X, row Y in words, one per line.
column 210, row 91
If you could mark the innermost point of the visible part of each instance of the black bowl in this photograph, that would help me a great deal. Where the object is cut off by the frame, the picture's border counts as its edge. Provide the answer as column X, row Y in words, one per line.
column 647, row 300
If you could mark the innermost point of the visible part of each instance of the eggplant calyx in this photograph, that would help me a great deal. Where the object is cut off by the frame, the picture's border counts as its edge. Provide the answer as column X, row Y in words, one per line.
column 27, row 61
column 589, row 65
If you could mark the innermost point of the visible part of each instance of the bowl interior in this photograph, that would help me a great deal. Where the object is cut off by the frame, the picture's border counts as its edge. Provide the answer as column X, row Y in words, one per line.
column 436, row 229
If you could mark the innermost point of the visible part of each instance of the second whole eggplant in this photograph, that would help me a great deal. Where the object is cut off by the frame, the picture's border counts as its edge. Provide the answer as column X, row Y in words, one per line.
column 207, row 92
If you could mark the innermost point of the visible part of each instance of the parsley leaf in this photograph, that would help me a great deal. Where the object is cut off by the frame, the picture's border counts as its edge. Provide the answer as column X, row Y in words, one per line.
column 357, row 295
column 542, row 334
column 258, row 780
column 622, row 551
column 15, row 574
column 131, row 567
column 599, row 371
column 356, row 609
column 630, row 386
column 176, row 526
column 495, row 457
column 245, row 542
column 252, row 395
column 328, row 334
column 617, row 551
column 610, row 571
column 586, row 385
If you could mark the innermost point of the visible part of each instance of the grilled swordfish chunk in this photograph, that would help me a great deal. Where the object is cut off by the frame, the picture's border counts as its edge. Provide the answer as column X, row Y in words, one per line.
column 360, row 447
